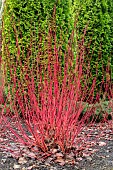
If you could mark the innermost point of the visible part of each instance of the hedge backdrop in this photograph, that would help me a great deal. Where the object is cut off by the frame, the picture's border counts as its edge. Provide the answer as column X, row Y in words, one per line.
column 98, row 15
column 31, row 20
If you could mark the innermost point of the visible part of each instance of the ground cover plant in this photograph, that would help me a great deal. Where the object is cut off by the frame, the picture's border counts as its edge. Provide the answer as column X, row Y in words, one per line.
column 42, row 109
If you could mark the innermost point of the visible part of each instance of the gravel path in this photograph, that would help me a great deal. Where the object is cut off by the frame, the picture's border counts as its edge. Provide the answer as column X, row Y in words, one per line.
column 96, row 154
column 101, row 160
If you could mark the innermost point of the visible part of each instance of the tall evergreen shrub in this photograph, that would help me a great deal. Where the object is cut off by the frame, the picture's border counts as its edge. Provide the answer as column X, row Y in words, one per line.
column 30, row 20
column 110, row 10
column 98, row 15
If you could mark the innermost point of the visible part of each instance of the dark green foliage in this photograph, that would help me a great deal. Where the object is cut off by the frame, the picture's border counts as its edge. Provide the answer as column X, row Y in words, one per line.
column 110, row 10
column 98, row 15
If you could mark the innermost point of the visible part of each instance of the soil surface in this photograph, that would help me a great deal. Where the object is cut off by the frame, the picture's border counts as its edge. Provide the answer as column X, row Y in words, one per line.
column 95, row 153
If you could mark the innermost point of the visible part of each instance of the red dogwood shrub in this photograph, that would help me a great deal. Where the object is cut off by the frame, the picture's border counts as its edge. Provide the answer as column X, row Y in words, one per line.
column 44, row 110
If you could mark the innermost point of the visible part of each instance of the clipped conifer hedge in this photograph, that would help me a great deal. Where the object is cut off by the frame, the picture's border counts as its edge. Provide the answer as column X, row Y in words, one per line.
column 26, row 24
column 98, row 16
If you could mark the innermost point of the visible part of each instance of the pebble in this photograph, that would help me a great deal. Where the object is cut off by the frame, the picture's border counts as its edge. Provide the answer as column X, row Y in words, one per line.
column 3, row 160
column 90, row 149
column 30, row 167
column 53, row 168
column 22, row 160
column 76, row 167
column 16, row 166
column 107, row 156
column 89, row 158
column 102, row 143
column 107, row 151
column 24, row 168
column 95, row 133
column 79, row 159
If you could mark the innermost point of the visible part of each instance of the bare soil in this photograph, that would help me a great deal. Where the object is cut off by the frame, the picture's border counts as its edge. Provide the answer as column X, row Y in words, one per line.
column 96, row 153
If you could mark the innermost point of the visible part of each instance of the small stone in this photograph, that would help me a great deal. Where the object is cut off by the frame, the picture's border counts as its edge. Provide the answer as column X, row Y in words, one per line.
column 102, row 143
column 30, row 167
column 22, row 160
column 23, row 168
column 53, row 168
column 16, row 166
column 95, row 133
column 107, row 156
column 107, row 151
column 76, row 167
column 3, row 160
column 89, row 158
column 79, row 159
column 90, row 149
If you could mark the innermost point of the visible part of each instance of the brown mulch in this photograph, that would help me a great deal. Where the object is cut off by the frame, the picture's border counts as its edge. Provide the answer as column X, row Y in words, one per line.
column 95, row 152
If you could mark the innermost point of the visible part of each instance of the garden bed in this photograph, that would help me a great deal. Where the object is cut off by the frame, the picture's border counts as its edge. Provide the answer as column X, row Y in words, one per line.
column 95, row 153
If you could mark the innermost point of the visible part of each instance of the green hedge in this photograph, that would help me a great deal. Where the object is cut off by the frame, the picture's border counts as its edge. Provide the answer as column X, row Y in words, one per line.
column 110, row 10
column 31, row 19
column 98, row 15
